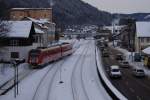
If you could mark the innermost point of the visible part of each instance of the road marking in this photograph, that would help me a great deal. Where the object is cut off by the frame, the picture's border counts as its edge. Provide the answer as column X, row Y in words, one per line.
column 132, row 90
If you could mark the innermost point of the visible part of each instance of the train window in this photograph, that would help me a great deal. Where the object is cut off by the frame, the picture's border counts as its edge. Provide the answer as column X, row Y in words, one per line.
column 34, row 53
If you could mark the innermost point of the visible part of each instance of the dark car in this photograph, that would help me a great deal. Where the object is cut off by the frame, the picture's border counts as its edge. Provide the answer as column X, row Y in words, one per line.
column 124, row 64
column 137, row 57
column 119, row 57
column 105, row 54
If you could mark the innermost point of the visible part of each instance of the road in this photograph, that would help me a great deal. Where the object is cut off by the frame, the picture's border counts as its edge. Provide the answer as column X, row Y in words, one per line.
column 71, row 78
column 133, row 88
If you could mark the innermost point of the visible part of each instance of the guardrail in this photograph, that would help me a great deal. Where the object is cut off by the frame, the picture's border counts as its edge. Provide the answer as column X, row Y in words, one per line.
column 112, row 91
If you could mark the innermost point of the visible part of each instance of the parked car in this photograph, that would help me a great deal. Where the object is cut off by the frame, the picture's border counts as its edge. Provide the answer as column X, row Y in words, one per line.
column 105, row 54
column 101, row 47
column 115, row 71
column 147, row 61
column 138, row 72
column 137, row 57
column 119, row 57
column 125, row 64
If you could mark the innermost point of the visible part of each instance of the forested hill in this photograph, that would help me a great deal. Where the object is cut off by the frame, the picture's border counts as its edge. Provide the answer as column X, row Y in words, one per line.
column 68, row 11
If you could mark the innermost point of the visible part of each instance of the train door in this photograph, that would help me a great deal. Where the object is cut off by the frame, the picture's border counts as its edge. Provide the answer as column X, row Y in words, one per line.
column 34, row 57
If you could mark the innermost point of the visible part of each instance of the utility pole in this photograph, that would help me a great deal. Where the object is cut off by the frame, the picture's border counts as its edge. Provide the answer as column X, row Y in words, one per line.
column 14, row 63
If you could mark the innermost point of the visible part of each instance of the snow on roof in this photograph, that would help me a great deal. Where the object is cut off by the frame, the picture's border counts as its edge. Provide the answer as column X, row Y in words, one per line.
column 143, row 29
column 146, row 17
column 146, row 50
column 31, row 8
column 19, row 28
column 41, row 21
column 38, row 30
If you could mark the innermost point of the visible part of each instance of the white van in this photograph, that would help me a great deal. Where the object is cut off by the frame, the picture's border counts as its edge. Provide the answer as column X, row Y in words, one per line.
column 115, row 71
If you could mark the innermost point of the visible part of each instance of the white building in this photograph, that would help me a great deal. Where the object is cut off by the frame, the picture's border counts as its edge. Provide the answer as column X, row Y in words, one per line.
column 47, row 27
column 18, row 41
column 142, row 39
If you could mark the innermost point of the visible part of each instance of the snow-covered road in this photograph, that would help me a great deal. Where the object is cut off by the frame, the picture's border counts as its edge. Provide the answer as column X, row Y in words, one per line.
column 77, row 73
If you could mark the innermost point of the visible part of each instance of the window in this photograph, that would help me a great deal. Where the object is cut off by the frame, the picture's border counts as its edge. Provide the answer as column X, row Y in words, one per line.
column 148, row 39
column 37, row 39
column 142, row 40
column 14, row 42
column 14, row 55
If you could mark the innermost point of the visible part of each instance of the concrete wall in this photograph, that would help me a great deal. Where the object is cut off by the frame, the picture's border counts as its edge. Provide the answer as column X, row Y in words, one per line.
column 23, row 52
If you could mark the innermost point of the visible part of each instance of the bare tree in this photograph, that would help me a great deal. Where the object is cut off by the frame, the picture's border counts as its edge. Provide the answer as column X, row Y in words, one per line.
column 4, row 10
column 4, row 15
column 4, row 25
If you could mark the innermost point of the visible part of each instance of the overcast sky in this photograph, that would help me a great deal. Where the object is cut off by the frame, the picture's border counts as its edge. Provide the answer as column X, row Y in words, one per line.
column 121, row 6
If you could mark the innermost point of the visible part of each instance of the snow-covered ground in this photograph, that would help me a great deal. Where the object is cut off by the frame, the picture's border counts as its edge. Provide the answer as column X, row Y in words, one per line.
column 128, row 58
column 77, row 73
column 7, row 71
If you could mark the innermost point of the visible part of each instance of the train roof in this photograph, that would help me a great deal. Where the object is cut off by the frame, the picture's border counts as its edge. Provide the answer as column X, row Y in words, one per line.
column 50, row 48
column 54, row 46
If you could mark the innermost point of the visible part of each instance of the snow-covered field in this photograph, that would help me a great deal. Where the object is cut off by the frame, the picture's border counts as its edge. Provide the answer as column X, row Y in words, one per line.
column 7, row 71
column 77, row 73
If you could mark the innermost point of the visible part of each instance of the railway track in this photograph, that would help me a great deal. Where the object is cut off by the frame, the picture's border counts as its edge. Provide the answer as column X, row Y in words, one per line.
column 50, row 85
column 79, row 61
column 51, row 76
column 46, row 76
column 10, row 83
column 56, row 67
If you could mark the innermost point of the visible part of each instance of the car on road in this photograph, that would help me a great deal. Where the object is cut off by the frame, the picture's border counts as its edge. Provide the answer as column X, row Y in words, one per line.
column 115, row 71
column 137, row 57
column 119, row 57
column 105, row 53
column 138, row 72
column 124, row 64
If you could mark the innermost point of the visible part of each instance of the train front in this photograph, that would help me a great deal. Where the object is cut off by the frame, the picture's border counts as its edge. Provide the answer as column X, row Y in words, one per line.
column 34, row 57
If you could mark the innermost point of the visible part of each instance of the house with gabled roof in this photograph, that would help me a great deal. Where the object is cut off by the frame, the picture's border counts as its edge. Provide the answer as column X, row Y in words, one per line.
column 47, row 27
column 42, row 19
column 19, row 40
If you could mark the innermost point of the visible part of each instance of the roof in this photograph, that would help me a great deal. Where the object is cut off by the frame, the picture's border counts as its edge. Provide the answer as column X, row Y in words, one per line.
column 146, row 17
column 31, row 8
column 114, row 66
column 146, row 50
column 19, row 28
column 143, row 29
column 40, row 21
column 38, row 30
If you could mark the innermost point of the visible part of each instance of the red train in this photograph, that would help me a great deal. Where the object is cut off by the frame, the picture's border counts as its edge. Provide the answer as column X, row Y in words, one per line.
column 41, row 56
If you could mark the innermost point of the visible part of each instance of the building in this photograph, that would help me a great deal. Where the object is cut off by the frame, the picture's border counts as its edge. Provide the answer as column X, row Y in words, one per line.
column 47, row 27
column 36, row 13
column 104, row 33
column 42, row 19
column 19, row 40
column 142, row 35
column 126, row 34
